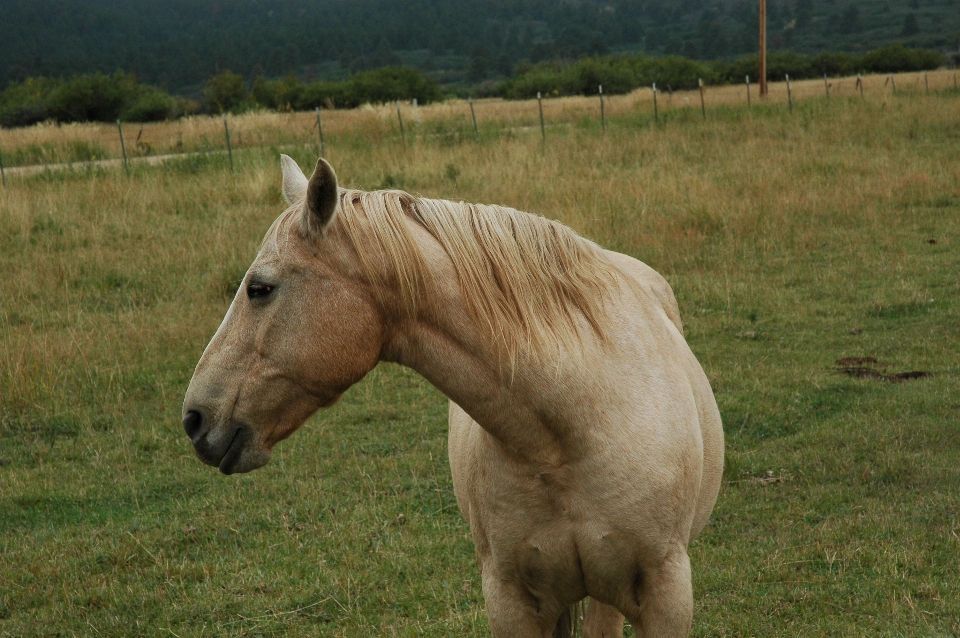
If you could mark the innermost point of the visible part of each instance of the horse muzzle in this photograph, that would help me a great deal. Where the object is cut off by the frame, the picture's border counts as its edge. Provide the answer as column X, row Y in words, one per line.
column 232, row 447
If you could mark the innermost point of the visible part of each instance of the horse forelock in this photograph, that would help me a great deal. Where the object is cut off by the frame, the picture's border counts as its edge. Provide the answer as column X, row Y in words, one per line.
column 526, row 279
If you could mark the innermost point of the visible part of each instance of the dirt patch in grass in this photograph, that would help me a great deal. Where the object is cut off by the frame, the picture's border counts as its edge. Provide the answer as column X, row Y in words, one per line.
column 870, row 368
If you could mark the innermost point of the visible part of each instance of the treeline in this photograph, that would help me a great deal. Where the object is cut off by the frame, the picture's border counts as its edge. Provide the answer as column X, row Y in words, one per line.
column 106, row 98
column 622, row 74
column 88, row 98
column 227, row 92
column 179, row 44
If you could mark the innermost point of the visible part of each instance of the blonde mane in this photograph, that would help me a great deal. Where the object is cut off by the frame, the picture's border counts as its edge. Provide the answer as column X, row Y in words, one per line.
column 525, row 278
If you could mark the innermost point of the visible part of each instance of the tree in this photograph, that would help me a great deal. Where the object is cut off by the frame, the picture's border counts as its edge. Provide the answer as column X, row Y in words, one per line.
column 910, row 25
column 850, row 21
column 224, row 91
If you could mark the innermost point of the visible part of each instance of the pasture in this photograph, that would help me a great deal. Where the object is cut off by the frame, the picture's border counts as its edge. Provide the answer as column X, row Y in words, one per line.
column 792, row 240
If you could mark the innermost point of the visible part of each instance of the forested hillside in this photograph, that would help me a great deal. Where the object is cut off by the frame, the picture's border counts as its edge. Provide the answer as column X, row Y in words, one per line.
column 178, row 44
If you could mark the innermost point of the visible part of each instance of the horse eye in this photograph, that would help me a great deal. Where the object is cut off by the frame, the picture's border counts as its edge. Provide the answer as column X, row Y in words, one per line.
column 255, row 290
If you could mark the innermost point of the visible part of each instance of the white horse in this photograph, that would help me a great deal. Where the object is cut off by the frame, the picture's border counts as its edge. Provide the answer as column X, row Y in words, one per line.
column 585, row 442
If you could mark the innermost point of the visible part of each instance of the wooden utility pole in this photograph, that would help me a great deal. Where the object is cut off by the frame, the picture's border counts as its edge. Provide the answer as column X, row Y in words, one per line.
column 763, row 48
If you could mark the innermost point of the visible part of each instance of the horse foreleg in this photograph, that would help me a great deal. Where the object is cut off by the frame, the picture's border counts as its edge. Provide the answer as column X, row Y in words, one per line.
column 665, row 599
column 514, row 612
column 602, row 621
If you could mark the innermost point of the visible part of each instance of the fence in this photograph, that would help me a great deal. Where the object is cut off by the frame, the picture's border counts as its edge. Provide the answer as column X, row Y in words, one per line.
column 50, row 147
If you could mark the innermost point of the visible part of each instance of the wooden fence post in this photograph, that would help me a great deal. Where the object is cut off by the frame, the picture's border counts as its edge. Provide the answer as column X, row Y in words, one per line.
column 860, row 85
column 893, row 85
column 789, row 94
column 123, row 149
column 926, row 83
column 3, row 175
column 826, row 86
column 749, row 106
column 543, row 130
column 473, row 115
column 226, row 132
column 703, row 105
column 403, row 136
column 323, row 150
column 656, row 113
column 603, row 121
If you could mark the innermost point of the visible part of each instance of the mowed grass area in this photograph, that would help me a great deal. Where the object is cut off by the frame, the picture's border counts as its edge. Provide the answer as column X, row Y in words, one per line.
column 792, row 240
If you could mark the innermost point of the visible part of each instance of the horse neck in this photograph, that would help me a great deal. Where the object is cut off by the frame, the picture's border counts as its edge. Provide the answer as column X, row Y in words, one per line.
column 444, row 344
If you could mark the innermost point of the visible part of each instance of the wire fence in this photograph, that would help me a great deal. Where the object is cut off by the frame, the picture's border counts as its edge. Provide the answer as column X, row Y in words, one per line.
column 51, row 147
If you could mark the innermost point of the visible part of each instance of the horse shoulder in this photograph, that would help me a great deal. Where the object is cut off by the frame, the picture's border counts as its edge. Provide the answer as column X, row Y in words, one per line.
column 646, row 275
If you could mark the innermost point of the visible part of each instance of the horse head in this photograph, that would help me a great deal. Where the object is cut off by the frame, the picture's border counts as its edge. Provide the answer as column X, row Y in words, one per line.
column 301, row 329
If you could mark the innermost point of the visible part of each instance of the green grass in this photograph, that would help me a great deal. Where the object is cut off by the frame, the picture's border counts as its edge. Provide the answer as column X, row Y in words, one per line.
column 791, row 242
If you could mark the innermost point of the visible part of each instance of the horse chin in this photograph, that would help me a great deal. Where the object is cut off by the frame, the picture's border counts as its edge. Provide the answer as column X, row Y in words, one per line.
column 243, row 457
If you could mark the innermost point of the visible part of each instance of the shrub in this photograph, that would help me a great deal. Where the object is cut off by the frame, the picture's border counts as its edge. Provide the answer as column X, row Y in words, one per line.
column 152, row 105
column 280, row 95
column 224, row 91
column 25, row 103
column 833, row 64
column 617, row 74
column 391, row 83
column 323, row 95
column 92, row 98
column 898, row 58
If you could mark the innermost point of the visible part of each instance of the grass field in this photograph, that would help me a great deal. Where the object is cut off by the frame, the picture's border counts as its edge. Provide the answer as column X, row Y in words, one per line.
column 792, row 240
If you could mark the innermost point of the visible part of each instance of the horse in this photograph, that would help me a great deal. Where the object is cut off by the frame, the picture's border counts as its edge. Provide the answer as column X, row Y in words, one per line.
column 585, row 442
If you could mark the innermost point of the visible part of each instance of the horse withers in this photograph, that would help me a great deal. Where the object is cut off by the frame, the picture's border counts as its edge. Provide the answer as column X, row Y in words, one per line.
column 585, row 443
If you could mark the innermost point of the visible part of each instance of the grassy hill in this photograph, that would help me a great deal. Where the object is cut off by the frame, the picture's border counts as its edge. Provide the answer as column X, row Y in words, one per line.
column 179, row 44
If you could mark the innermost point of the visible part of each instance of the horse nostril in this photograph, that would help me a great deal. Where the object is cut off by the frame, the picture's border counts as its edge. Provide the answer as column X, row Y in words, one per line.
column 192, row 423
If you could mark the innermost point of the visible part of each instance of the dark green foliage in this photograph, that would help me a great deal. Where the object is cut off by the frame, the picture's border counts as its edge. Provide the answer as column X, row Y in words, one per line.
column 622, row 74
column 178, row 45
column 92, row 98
column 224, row 92
column 898, row 58
column 910, row 25
column 25, row 103
column 391, row 83
column 86, row 98
column 617, row 75
column 380, row 86
column 892, row 59
column 280, row 95
column 153, row 105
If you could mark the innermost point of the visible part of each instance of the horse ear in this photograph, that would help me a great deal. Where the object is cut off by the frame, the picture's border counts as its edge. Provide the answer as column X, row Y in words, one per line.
column 294, row 181
column 322, row 199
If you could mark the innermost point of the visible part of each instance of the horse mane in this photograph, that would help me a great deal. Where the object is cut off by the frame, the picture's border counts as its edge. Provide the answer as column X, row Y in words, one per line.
column 525, row 278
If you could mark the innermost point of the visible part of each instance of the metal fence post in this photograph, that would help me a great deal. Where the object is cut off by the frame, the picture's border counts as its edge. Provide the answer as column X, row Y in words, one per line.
column 473, row 115
column 123, row 149
column 543, row 130
column 656, row 113
column 749, row 106
column 403, row 136
column 226, row 131
column 603, row 121
column 789, row 94
column 703, row 105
